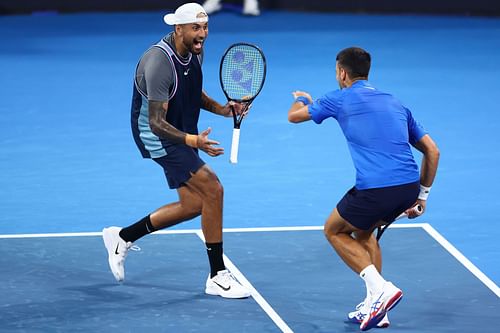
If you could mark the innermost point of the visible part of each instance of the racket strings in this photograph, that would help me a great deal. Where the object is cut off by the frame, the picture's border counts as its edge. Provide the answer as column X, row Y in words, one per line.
column 243, row 72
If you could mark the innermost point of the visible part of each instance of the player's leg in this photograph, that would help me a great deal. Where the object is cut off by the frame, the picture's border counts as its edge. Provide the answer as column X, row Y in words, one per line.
column 383, row 295
column 119, row 240
column 177, row 166
column 352, row 250
column 211, row 192
column 371, row 245
column 369, row 242
column 358, row 213
column 188, row 207
column 338, row 232
column 220, row 281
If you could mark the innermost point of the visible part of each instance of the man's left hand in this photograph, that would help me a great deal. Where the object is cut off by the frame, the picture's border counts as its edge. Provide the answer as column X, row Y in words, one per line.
column 239, row 108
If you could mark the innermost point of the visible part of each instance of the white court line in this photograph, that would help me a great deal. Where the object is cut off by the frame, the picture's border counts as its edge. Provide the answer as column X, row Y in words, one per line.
column 195, row 231
column 255, row 294
column 308, row 228
column 86, row 234
column 462, row 259
column 427, row 227
column 62, row 234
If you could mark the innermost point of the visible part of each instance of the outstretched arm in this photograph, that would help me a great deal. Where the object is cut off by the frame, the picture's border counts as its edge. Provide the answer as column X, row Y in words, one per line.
column 162, row 128
column 298, row 111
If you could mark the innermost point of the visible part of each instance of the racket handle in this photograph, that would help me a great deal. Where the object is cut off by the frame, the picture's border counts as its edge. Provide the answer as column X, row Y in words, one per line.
column 234, row 146
column 418, row 209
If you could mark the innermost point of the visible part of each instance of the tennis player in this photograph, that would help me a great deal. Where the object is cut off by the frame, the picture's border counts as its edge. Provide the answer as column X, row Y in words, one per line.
column 167, row 96
column 380, row 132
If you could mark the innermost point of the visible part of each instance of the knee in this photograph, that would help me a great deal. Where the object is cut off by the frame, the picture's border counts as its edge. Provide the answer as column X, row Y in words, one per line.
column 208, row 185
column 215, row 190
column 329, row 230
column 335, row 227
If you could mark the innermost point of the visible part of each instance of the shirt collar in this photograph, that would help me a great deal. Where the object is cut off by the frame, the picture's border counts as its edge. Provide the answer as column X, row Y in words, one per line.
column 170, row 40
column 361, row 83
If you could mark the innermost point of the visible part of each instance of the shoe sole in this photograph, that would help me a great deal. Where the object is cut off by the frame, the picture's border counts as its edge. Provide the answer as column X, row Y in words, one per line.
column 357, row 321
column 211, row 291
column 354, row 320
column 373, row 322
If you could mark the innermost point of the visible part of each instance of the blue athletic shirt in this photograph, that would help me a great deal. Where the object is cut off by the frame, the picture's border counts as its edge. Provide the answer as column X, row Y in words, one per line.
column 378, row 130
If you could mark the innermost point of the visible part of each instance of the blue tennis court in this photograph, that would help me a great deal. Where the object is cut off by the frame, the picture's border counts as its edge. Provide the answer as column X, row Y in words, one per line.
column 69, row 167
column 298, row 285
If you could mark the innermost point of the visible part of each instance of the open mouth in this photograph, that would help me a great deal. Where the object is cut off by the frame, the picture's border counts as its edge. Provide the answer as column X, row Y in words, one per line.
column 198, row 44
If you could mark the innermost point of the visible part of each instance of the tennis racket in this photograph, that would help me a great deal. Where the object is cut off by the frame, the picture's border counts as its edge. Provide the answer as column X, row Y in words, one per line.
column 242, row 75
column 380, row 230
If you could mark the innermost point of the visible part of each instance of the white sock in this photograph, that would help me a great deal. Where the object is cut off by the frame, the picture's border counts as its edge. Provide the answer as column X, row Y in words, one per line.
column 368, row 295
column 374, row 281
column 366, row 301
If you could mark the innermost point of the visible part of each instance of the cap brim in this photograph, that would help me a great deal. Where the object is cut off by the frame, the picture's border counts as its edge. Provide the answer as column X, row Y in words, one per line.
column 169, row 19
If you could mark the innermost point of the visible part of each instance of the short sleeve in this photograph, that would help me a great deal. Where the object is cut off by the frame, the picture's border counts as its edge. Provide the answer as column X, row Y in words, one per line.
column 159, row 75
column 326, row 106
column 415, row 130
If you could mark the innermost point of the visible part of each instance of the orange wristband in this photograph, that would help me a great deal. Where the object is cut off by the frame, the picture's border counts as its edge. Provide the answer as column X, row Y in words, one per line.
column 192, row 140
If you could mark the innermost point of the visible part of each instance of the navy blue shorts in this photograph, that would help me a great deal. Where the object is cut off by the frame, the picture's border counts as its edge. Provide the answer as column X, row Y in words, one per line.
column 179, row 164
column 364, row 208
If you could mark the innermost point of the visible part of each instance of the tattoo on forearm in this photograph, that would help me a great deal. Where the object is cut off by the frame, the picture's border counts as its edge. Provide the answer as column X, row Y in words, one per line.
column 209, row 104
column 160, row 126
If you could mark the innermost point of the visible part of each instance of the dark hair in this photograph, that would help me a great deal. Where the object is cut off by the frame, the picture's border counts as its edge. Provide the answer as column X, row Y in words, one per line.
column 355, row 61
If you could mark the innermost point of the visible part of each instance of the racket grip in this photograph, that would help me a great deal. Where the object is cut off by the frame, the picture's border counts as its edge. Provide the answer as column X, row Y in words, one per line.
column 234, row 146
column 418, row 209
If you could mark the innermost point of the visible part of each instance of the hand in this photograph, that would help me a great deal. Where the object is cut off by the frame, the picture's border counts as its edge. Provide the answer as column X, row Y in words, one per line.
column 298, row 93
column 207, row 145
column 412, row 213
column 239, row 108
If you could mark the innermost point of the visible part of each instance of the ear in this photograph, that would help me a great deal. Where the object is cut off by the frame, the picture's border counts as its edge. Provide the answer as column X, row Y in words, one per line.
column 178, row 29
column 343, row 74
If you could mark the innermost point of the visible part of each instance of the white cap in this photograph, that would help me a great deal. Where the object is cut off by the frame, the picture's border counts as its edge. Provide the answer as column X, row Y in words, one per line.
column 187, row 13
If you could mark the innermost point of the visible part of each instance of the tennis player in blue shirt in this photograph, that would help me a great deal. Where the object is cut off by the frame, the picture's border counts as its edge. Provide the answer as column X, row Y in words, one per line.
column 380, row 132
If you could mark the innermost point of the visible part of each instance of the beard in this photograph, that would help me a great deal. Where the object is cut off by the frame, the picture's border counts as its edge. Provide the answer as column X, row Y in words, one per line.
column 195, row 46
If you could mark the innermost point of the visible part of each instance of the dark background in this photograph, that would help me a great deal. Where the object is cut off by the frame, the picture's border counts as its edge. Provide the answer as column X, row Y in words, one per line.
column 453, row 7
